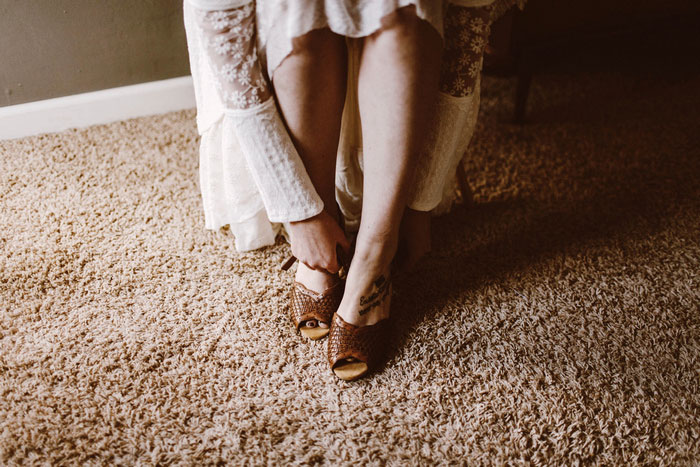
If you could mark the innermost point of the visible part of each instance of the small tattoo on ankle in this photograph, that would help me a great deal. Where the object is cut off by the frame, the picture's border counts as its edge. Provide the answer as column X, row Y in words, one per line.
column 380, row 290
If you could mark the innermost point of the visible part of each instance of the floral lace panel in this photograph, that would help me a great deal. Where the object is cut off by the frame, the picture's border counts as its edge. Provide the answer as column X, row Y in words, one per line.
column 466, row 36
column 229, row 39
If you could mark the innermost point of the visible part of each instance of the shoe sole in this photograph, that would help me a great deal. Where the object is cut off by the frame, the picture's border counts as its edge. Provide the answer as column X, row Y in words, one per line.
column 314, row 333
column 351, row 371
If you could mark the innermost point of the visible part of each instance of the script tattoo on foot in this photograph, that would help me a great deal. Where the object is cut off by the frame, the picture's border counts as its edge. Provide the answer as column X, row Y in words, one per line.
column 380, row 289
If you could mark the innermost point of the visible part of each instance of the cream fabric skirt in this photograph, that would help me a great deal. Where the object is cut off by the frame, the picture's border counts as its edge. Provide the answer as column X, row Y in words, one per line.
column 230, row 196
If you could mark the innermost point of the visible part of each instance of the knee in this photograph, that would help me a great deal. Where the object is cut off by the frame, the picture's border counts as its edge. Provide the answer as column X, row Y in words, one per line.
column 407, row 31
column 403, row 22
column 318, row 44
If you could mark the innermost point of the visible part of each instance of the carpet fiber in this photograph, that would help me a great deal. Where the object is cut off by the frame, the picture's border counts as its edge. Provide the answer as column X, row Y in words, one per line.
column 557, row 320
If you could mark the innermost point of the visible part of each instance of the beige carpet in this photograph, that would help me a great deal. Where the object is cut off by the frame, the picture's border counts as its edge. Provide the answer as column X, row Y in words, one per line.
column 557, row 321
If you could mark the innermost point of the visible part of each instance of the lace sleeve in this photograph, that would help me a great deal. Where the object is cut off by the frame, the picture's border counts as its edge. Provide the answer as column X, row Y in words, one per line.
column 466, row 32
column 466, row 36
column 229, row 38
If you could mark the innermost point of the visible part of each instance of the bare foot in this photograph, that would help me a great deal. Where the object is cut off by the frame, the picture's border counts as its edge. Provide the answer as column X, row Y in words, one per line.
column 366, row 301
column 367, row 295
column 318, row 281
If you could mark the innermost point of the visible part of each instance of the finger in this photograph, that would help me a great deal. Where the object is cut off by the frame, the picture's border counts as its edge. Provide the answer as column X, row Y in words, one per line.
column 332, row 266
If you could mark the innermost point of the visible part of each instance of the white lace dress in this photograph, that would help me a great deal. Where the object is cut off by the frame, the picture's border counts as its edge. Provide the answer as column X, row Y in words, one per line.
column 251, row 177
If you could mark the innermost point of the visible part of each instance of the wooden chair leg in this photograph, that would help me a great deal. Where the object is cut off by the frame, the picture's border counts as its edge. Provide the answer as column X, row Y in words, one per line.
column 521, row 94
column 467, row 193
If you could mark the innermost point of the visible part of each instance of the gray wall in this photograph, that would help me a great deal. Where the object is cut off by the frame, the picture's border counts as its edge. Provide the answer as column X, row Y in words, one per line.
column 53, row 48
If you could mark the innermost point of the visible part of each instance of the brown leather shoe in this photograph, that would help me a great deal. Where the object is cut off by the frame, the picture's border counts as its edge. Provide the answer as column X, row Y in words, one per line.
column 309, row 308
column 354, row 351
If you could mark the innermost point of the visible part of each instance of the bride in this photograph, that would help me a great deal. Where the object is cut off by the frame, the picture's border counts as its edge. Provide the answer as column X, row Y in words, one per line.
column 335, row 120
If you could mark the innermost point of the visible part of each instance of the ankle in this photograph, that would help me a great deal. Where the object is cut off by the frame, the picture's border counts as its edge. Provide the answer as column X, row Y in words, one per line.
column 366, row 300
column 318, row 281
column 362, row 279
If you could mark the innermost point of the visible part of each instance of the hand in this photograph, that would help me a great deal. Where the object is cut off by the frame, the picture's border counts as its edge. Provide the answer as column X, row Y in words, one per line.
column 314, row 242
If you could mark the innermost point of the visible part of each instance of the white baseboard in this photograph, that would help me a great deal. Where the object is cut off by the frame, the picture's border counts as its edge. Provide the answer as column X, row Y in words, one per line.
column 97, row 107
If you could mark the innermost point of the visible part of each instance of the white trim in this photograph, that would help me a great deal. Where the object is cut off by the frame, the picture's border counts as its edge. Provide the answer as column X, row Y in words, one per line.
column 97, row 107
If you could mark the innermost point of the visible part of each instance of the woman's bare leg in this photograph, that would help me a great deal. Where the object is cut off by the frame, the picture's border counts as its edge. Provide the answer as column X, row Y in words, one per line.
column 398, row 85
column 310, row 88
